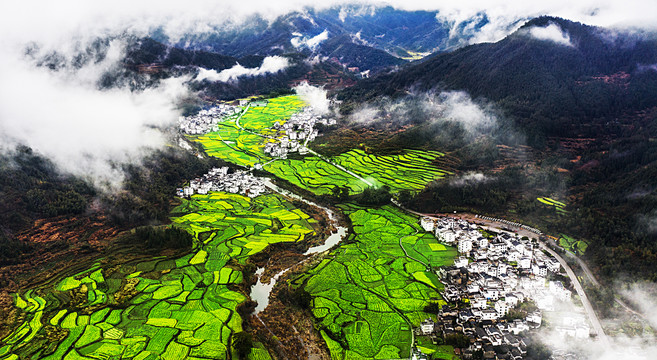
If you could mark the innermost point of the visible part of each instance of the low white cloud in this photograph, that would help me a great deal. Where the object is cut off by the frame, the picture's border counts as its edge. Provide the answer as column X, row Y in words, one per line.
column 474, row 118
column 644, row 297
column 314, row 96
column 468, row 179
column 310, row 42
column 343, row 14
column 551, row 32
column 366, row 114
column 643, row 67
column 270, row 65
column 458, row 106
column 86, row 131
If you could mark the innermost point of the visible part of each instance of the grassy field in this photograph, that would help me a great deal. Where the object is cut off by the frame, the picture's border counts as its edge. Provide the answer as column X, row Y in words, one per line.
column 161, row 308
column 367, row 294
column 573, row 245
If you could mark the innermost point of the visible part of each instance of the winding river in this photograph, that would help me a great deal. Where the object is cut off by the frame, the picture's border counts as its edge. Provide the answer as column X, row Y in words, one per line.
column 260, row 292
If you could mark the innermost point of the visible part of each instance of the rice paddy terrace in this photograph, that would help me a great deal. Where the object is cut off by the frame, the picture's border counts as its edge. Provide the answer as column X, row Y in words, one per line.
column 411, row 170
column 370, row 292
column 367, row 294
column 161, row 308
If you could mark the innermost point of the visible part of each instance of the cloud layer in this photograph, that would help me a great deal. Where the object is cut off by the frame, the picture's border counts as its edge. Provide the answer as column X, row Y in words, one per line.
column 86, row 131
column 300, row 41
column 315, row 96
column 551, row 32
column 270, row 65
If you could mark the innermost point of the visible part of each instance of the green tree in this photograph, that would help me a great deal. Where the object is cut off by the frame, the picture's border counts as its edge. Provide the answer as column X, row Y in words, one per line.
column 243, row 343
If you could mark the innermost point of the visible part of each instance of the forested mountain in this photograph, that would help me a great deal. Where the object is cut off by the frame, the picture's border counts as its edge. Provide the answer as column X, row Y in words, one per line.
column 549, row 88
column 367, row 31
column 585, row 98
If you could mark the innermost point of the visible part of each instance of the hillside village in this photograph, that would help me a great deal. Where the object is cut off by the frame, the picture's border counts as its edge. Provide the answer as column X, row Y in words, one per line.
column 492, row 278
column 206, row 120
column 220, row 179
column 295, row 133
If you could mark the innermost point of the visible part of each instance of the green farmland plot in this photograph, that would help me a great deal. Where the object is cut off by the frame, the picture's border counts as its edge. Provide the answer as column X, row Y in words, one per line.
column 411, row 170
column 559, row 207
column 278, row 109
column 161, row 308
column 245, row 147
column 573, row 245
column 315, row 175
column 367, row 294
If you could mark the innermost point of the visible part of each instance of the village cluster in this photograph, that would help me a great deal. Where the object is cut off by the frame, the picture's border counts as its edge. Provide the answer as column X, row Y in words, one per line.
column 295, row 133
column 220, row 179
column 206, row 120
column 491, row 277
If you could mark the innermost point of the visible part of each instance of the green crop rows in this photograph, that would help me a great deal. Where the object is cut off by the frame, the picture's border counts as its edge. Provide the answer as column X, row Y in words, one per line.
column 245, row 147
column 573, row 245
column 411, row 170
column 160, row 308
column 368, row 293
column 315, row 174
column 559, row 207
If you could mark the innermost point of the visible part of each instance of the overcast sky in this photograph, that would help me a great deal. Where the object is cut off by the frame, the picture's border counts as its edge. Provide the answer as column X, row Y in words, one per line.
column 57, row 20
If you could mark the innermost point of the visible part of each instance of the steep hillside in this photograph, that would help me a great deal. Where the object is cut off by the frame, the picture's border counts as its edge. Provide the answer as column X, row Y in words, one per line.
column 550, row 88
column 585, row 100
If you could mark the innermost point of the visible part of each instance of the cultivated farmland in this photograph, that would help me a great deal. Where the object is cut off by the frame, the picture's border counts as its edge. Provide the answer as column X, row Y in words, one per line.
column 245, row 146
column 573, row 245
column 160, row 308
column 370, row 292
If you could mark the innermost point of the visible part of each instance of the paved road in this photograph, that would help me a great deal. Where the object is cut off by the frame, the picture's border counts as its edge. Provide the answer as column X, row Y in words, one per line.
column 595, row 282
column 593, row 317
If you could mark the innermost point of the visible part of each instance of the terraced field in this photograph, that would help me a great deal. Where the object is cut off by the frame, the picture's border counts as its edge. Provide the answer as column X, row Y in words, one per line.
column 315, row 175
column 559, row 207
column 573, row 245
column 160, row 308
column 368, row 293
column 245, row 147
column 412, row 170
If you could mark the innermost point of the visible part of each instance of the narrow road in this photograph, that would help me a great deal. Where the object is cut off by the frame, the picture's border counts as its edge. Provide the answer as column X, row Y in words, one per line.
column 406, row 253
column 596, row 283
column 237, row 121
column 593, row 318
